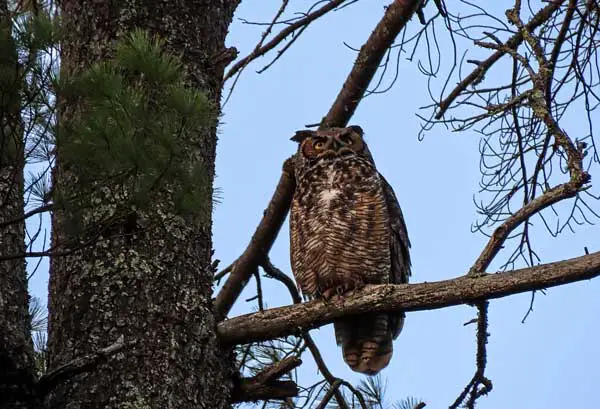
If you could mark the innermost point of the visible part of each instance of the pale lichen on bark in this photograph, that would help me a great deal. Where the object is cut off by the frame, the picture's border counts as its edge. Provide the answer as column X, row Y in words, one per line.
column 151, row 285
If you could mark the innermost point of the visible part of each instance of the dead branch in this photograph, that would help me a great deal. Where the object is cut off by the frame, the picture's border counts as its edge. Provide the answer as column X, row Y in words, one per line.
column 261, row 49
column 479, row 385
column 279, row 275
column 278, row 370
column 539, row 102
column 260, row 244
column 77, row 366
column 265, row 385
column 332, row 389
column 250, row 391
column 537, row 20
column 396, row 16
column 282, row 321
column 332, row 380
column 554, row 195
column 42, row 209
column 367, row 62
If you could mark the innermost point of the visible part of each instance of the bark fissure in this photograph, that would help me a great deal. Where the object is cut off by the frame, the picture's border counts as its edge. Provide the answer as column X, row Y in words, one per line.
column 151, row 287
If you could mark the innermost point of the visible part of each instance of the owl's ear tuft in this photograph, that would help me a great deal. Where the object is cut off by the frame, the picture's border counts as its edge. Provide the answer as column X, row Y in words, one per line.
column 301, row 135
column 356, row 129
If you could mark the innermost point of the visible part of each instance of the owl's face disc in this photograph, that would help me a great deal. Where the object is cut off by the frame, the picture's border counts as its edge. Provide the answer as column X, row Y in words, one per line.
column 330, row 145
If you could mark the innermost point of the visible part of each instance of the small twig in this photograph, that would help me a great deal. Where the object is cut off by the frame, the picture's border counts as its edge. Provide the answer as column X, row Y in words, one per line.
column 250, row 391
column 479, row 384
column 261, row 49
column 42, row 209
column 76, row 367
column 538, row 19
column 259, row 293
column 277, row 370
column 530, row 309
column 333, row 388
column 279, row 275
column 223, row 272
column 314, row 350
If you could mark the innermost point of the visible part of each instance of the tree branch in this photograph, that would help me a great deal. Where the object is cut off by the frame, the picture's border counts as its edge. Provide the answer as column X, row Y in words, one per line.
column 278, row 370
column 367, row 62
column 283, row 321
column 260, row 244
column 77, row 366
column 261, row 49
column 396, row 16
column 537, row 20
column 249, row 390
column 277, row 274
column 550, row 197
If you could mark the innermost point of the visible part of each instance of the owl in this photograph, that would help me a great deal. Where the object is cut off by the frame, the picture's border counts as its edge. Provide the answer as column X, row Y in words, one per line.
column 346, row 231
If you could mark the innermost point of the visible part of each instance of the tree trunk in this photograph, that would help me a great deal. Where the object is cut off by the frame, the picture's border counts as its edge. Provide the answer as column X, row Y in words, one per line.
column 153, row 287
column 16, row 348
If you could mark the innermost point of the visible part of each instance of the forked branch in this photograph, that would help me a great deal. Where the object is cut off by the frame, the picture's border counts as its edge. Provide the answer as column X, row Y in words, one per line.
column 537, row 20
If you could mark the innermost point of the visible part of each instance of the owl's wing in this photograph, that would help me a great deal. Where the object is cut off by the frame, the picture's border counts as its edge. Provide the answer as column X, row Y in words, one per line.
column 400, row 244
column 399, row 250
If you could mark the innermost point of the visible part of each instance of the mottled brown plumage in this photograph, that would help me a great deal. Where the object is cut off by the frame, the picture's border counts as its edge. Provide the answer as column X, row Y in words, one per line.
column 347, row 230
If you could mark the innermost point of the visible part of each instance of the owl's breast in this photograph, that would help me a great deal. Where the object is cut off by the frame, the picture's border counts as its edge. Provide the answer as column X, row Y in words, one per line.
column 339, row 226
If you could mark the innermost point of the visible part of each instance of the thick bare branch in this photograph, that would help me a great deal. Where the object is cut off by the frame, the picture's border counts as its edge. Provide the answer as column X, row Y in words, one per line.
column 397, row 15
column 260, row 244
column 282, row 321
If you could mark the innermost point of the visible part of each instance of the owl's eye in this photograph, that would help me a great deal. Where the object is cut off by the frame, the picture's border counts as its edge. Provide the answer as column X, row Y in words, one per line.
column 346, row 139
column 318, row 145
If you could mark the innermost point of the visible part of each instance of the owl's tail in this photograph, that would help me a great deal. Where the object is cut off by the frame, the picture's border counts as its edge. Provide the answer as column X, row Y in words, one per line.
column 366, row 341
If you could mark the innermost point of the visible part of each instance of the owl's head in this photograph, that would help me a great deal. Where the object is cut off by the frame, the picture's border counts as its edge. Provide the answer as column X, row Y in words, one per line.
column 330, row 144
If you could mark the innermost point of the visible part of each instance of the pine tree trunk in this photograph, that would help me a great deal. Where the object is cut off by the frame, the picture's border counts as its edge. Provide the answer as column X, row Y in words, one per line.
column 16, row 349
column 153, row 284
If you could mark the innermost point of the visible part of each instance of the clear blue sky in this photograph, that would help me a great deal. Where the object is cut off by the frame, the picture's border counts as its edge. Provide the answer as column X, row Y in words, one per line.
column 551, row 361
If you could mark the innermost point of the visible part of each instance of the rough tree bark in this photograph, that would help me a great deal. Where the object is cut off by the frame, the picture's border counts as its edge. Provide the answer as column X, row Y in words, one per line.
column 152, row 288
column 16, row 348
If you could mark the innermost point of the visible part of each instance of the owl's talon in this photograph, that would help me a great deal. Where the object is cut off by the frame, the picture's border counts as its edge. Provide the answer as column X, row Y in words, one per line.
column 342, row 289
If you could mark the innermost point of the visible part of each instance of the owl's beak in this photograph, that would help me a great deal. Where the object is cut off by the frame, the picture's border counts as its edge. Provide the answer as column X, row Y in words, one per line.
column 334, row 148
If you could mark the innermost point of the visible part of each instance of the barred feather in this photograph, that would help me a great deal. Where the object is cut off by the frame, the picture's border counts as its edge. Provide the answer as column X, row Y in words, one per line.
column 347, row 230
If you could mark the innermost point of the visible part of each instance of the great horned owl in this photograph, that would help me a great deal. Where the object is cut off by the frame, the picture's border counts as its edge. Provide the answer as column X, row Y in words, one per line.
column 347, row 230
